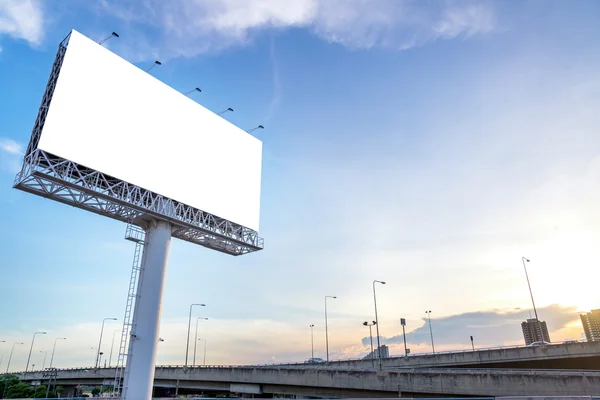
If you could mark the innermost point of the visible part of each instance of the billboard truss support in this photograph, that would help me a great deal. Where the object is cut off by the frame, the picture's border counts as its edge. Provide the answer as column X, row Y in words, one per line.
column 68, row 182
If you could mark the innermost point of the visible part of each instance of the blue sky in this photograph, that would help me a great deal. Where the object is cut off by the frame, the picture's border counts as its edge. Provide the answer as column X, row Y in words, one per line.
column 427, row 144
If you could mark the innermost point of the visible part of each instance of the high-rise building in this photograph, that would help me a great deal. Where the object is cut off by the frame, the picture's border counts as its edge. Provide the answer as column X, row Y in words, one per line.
column 385, row 353
column 535, row 330
column 591, row 324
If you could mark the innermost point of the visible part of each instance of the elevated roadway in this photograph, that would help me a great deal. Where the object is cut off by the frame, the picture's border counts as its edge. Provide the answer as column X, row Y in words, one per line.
column 349, row 382
column 557, row 369
column 577, row 355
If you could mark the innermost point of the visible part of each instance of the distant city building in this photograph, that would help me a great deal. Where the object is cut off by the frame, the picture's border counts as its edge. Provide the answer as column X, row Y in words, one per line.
column 591, row 324
column 385, row 353
column 535, row 330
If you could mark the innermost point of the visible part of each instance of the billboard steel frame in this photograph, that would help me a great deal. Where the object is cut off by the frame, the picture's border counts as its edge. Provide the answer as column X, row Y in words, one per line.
column 161, row 219
column 65, row 181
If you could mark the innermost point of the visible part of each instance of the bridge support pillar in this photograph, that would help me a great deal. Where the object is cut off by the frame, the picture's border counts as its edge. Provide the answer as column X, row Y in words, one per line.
column 141, row 358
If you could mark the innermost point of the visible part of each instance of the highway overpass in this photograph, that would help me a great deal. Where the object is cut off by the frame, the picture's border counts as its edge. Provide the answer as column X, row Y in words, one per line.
column 577, row 355
column 348, row 382
column 567, row 368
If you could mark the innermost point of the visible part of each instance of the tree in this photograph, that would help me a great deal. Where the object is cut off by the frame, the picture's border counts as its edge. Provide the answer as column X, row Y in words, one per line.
column 7, row 381
column 19, row 391
column 12, row 388
column 95, row 391
column 40, row 392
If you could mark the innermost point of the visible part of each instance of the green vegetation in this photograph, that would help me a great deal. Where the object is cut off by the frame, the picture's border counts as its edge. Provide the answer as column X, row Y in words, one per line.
column 12, row 388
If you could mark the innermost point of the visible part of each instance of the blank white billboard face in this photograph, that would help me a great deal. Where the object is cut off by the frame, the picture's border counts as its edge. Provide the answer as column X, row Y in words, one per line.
column 109, row 115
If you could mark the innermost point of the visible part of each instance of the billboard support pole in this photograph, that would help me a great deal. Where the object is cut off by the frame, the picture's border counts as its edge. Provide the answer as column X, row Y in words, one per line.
column 141, row 359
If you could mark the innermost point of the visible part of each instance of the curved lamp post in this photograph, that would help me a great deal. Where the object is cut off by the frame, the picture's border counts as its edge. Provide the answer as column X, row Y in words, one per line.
column 377, row 321
column 196, row 338
column 100, row 342
column 31, row 348
column 187, row 344
column 428, row 312
column 326, row 332
column 54, row 348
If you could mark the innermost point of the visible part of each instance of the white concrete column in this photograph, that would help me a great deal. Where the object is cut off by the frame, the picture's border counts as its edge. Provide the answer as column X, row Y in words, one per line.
column 141, row 360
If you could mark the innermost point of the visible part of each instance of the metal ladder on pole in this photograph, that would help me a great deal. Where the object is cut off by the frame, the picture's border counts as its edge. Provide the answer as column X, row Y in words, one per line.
column 138, row 236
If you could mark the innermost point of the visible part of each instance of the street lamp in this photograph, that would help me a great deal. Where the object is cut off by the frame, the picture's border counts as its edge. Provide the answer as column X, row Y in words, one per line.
column 10, row 357
column 93, row 348
column 112, row 345
column 472, row 344
column 196, row 337
column 45, row 355
column 326, row 332
column 430, row 330
column 187, row 344
column 204, row 360
column 54, row 348
column 529, row 285
column 31, row 348
column 100, row 342
column 541, row 336
column 403, row 323
column 312, row 341
column 371, row 335
column 377, row 321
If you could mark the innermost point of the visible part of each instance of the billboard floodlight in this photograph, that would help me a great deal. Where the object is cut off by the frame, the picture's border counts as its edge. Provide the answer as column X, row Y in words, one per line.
column 224, row 111
column 192, row 91
column 114, row 34
column 154, row 65
column 253, row 129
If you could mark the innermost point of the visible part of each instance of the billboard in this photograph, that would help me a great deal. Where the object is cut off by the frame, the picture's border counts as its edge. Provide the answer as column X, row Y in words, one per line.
column 108, row 115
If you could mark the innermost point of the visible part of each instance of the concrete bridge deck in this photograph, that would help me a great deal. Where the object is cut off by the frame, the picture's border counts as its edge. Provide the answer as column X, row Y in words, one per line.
column 578, row 355
column 334, row 382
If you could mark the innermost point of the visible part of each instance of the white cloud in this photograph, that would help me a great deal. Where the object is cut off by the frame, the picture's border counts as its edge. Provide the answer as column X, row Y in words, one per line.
column 188, row 28
column 277, row 88
column 22, row 19
column 469, row 20
column 492, row 327
column 10, row 146
column 266, row 341
column 11, row 153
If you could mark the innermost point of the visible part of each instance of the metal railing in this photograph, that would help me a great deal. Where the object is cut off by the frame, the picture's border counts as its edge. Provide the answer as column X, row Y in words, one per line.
column 435, row 371
column 334, row 362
